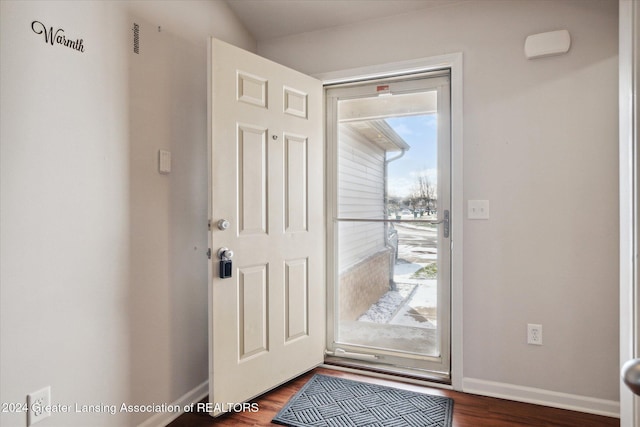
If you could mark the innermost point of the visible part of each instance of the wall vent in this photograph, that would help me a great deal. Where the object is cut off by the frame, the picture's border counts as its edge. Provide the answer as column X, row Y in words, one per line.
column 136, row 38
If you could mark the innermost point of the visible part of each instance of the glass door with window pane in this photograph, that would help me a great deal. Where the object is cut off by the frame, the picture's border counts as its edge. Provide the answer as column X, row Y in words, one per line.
column 389, row 223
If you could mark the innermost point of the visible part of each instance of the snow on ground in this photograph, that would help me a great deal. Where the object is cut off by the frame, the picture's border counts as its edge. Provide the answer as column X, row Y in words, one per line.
column 420, row 309
column 386, row 307
column 412, row 304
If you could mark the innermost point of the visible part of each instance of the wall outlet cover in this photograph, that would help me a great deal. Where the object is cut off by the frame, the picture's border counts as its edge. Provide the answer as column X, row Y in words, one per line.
column 38, row 405
column 534, row 334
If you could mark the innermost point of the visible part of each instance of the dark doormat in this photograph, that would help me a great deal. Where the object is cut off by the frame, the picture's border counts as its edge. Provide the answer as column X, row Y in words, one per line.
column 336, row 402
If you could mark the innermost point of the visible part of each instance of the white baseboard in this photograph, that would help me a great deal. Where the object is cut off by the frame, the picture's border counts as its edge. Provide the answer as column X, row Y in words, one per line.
column 161, row 419
column 573, row 402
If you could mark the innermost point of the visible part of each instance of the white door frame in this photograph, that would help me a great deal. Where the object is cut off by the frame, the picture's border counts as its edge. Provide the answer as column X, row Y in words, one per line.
column 629, row 31
column 454, row 63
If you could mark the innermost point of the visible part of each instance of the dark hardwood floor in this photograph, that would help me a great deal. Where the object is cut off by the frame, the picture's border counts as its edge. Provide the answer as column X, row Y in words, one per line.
column 468, row 410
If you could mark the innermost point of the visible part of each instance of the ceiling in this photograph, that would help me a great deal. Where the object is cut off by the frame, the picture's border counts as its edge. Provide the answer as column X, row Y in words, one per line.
column 270, row 19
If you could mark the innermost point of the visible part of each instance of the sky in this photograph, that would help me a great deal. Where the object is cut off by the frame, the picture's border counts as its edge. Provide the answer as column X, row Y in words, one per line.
column 420, row 132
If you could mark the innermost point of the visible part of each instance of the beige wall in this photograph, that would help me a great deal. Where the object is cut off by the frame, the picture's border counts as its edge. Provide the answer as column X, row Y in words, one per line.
column 540, row 143
column 104, row 272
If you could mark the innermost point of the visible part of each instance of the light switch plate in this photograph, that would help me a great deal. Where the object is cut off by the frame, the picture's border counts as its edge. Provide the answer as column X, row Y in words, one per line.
column 478, row 209
column 164, row 162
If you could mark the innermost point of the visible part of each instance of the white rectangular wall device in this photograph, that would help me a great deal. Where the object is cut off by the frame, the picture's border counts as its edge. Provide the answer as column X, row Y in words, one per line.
column 547, row 44
column 478, row 209
column 164, row 161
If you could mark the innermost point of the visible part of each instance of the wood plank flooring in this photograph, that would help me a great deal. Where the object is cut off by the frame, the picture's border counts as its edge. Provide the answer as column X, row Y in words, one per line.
column 468, row 410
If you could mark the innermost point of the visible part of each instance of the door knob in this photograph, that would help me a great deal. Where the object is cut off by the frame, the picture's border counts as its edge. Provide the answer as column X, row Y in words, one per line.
column 223, row 224
column 225, row 253
column 631, row 375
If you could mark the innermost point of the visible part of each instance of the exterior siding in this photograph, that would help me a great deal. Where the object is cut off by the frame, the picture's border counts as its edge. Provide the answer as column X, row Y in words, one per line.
column 360, row 195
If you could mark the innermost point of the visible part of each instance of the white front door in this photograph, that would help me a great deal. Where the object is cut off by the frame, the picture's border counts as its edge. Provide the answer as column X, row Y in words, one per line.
column 267, row 321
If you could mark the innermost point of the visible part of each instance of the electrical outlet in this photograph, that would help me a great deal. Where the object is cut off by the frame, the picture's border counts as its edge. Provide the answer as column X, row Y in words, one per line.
column 534, row 334
column 38, row 405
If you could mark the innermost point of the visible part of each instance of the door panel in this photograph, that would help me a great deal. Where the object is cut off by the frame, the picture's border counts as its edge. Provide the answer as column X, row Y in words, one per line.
column 253, row 308
column 252, row 179
column 267, row 321
column 296, row 175
column 297, row 299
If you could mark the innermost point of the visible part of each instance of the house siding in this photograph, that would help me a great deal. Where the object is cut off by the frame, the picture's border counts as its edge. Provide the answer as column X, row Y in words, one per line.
column 360, row 195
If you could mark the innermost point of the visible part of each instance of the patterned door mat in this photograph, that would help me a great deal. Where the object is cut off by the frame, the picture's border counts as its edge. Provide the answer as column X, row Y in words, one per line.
column 336, row 402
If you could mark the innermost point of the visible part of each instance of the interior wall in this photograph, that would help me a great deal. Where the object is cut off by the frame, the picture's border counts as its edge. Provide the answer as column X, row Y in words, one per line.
column 540, row 143
column 104, row 267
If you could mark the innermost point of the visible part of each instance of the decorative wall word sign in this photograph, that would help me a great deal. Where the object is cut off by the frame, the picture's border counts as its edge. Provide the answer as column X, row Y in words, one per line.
column 58, row 36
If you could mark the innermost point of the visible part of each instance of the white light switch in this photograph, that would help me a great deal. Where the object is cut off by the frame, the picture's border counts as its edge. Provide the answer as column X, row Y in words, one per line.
column 164, row 161
column 478, row 209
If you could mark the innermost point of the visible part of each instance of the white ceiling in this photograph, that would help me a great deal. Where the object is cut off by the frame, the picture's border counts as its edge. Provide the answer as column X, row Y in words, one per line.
column 270, row 19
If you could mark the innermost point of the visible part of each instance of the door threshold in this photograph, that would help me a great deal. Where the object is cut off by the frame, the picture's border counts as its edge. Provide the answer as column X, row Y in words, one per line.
column 393, row 373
